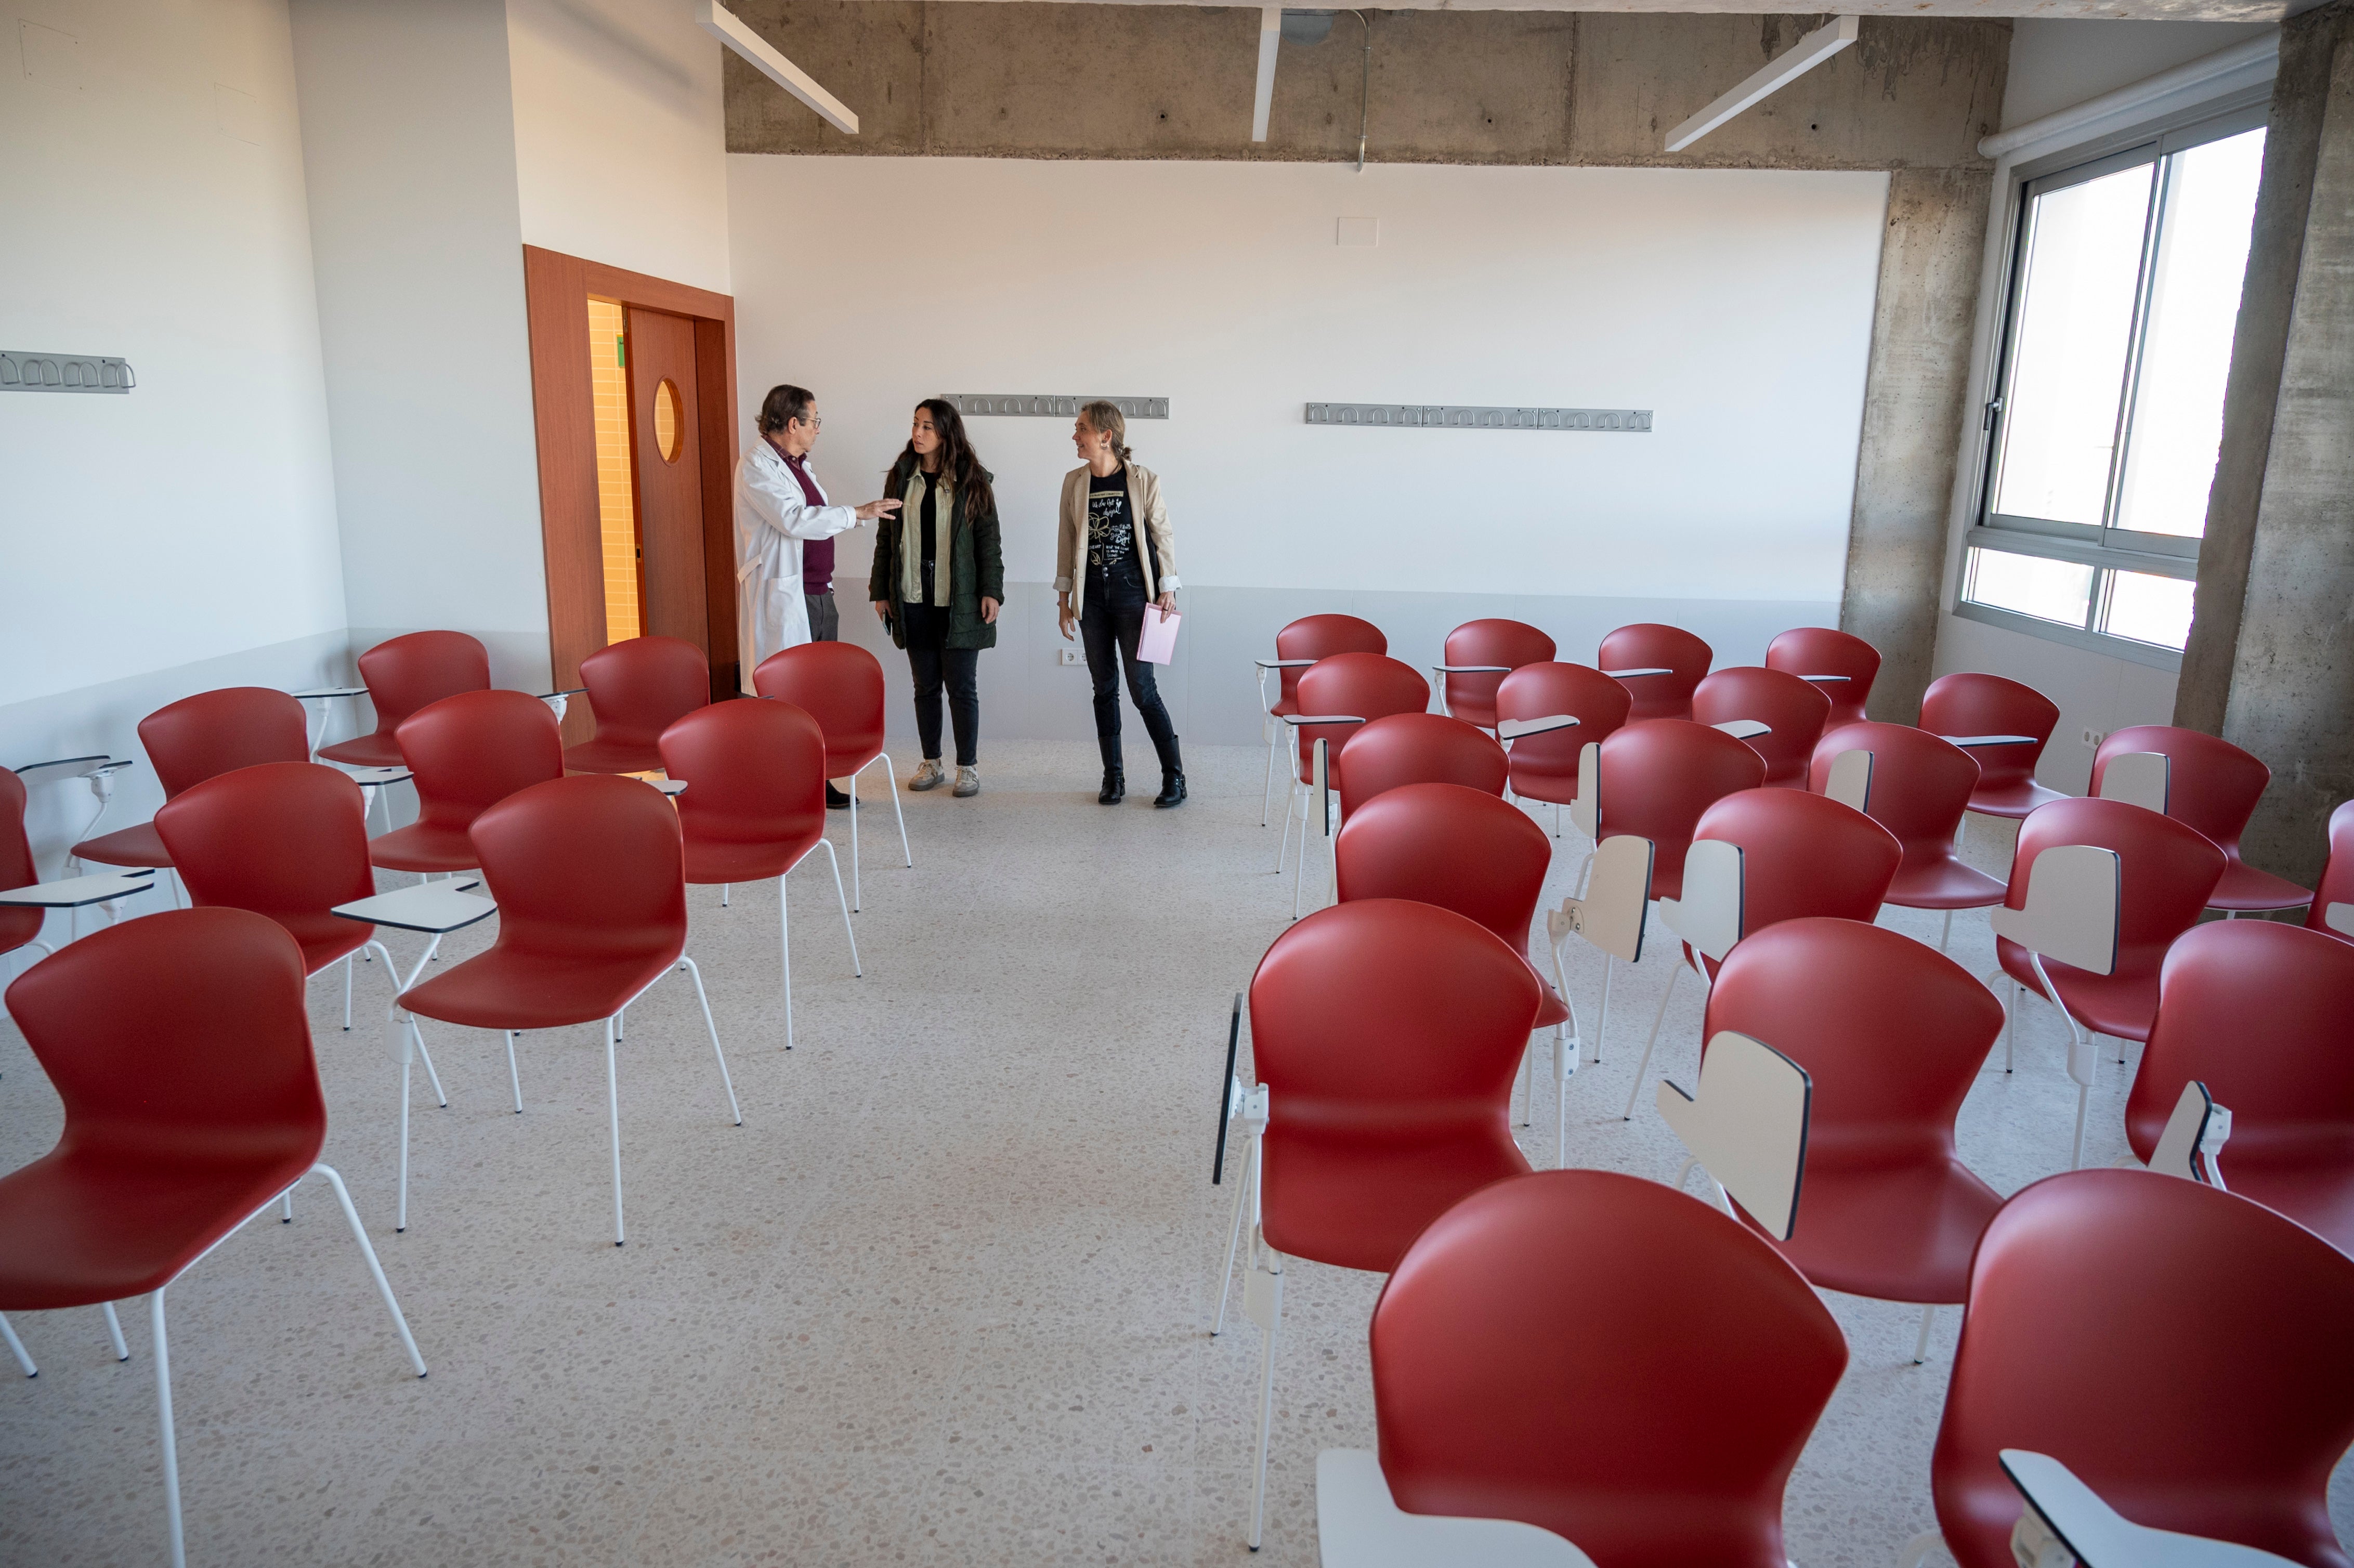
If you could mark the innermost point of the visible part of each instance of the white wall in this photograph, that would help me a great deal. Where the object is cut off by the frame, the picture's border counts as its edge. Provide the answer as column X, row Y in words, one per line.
column 183, row 536
column 1737, row 305
column 621, row 137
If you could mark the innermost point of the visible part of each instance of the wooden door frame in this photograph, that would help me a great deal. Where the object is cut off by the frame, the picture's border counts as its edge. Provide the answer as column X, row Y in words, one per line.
column 556, row 290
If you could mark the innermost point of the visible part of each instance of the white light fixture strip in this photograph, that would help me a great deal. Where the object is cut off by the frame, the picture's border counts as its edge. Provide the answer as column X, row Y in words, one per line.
column 1456, row 417
column 26, row 370
column 1050, row 405
column 1791, row 64
column 729, row 29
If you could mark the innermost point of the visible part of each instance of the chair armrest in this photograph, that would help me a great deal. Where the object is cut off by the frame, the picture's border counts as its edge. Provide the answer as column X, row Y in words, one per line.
column 1283, row 664
column 100, row 757
column 431, row 906
column 1296, row 719
column 1629, row 674
column 2098, row 1536
column 329, row 691
column 1471, row 669
column 74, row 893
column 1744, row 729
column 1513, row 729
column 1823, row 677
column 1988, row 740
column 567, row 692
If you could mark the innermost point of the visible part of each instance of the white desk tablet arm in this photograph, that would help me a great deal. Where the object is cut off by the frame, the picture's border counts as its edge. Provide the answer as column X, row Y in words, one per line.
column 558, row 701
column 1265, row 702
column 1744, row 729
column 2069, row 916
column 1320, row 781
column 1631, row 675
column 2193, row 1140
column 1247, row 1104
column 1585, row 806
column 1824, row 678
column 1609, row 916
column 1850, row 781
column 98, row 769
column 2066, row 1522
column 325, row 697
column 1360, row 1525
column 2143, row 779
column 1709, row 916
column 2339, row 917
column 1510, row 730
column 1746, row 1128
column 1438, row 674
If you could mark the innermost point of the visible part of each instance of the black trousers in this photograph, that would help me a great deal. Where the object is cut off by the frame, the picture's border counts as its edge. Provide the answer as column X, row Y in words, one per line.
column 935, row 664
column 1108, row 627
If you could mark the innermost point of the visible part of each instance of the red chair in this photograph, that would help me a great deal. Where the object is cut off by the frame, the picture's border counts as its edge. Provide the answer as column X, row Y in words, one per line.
column 638, row 688
column 287, row 840
column 405, row 676
column 1655, row 780
column 2336, row 891
column 469, row 752
column 197, row 738
column 589, row 873
column 2258, row 1012
column 1801, row 856
column 2181, row 1349
column 1792, row 710
column 1563, row 1349
column 1365, row 686
column 755, row 805
column 1844, row 666
column 19, row 926
column 1967, row 707
column 1917, row 787
column 2213, row 786
column 1297, row 646
column 1461, row 849
column 1544, row 767
column 1419, row 748
column 1676, row 659
column 840, row 684
column 2164, row 872
column 1386, row 1037
column 1892, row 1037
column 1480, row 655
column 179, row 1046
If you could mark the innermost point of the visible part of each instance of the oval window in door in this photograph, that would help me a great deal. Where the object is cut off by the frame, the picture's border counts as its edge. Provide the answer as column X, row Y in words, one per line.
column 666, row 420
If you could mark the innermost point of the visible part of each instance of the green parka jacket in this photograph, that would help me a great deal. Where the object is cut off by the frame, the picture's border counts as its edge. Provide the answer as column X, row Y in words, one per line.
column 976, row 567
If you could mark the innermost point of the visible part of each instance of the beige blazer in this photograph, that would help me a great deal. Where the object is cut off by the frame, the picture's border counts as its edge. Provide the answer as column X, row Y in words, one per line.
column 1143, row 502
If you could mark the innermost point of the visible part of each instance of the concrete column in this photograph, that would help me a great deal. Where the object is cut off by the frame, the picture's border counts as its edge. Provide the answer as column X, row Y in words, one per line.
column 2290, row 696
column 1918, row 376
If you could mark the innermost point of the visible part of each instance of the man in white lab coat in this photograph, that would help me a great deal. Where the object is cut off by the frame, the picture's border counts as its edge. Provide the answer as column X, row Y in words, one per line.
column 779, row 504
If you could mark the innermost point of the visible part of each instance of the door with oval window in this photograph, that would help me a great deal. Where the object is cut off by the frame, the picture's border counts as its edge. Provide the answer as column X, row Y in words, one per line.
column 667, row 458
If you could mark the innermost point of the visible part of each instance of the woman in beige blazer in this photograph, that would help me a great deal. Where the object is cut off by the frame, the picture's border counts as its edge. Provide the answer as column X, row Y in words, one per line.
column 1115, row 562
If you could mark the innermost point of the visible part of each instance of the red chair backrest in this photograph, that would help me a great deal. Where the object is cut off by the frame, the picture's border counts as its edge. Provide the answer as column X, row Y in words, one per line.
column 1544, row 767
column 1920, row 784
column 1891, row 1032
column 288, row 839
column 590, row 867
column 1513, row 643
column 1660, row 1430
column 2260, row 1012
column 1797, row 710
column 1819, row 650
column 1648, row 646
column 640, row 686
column 176, row 1033
column 1320, row 637
column 407, row 674
column 1419, row 748
column 1382, row 1025
column 1972, row 704
column 756, row 771
column 201, row 736
column 1801, row 855
column 2165, row 871
column 1444, row 845
column 1658, row 776
column 475, row 749
column 17, row 927
column 2210, row 784
column 2337, row 886
column 840, row 684
column 1368, row 685
column 2183, row 1351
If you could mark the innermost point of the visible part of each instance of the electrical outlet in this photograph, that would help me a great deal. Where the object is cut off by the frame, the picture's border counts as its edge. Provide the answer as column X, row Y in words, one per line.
column 1070, row 655
column 2093, row 738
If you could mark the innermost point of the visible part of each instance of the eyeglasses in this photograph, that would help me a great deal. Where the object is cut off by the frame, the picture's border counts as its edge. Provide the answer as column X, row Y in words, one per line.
column 813, row 422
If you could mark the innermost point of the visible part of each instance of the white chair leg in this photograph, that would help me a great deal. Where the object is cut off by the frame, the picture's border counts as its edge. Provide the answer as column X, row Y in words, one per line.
column 1234, row 1234
column 857, row 893
column 835, row 861
column 1916, row 1551
column 171, row 1444
column 1921, row 1346
column 725, row 1082
column 785, row 941
column 1945, row 937
column 1269, row 1317
column 2010, row 1030
column 114, row 1333
column 613, row 1111
column 425, row 1056
column 891, row 772
column 723, row 893
column 348, row 993
column 1267, row 796
column 286, row 1207
column 1602, row 1028
column 1636, row 1092
column 2083, row 1104
column 513, row 1077
column 1283, row 848
column 16, row 1346
column 375, row 1269
column 400, row 1215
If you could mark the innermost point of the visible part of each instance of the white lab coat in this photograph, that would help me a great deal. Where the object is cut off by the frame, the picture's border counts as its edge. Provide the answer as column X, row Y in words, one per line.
column 773, row 518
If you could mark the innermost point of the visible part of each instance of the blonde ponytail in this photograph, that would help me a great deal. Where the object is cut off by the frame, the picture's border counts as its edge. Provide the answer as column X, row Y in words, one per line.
column 1110, row 424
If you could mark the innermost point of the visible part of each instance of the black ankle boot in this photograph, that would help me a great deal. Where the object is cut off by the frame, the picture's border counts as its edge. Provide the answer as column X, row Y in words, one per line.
column 1115, row 788
column 1172, row 787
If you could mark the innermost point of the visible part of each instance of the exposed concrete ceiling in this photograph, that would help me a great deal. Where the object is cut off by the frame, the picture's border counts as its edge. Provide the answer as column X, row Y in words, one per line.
column 2121, row 10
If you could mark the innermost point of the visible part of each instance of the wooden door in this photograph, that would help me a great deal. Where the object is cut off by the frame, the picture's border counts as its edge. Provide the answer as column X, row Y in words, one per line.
column 664, row 430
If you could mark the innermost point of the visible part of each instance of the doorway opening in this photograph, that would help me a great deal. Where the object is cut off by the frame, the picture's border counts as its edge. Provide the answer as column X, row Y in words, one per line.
column 617, row 497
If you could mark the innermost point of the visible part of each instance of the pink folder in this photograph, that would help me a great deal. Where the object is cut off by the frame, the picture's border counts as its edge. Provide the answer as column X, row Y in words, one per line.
column 1157, row 643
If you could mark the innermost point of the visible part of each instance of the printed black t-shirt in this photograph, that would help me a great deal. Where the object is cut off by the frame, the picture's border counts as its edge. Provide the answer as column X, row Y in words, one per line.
column 1112, row 565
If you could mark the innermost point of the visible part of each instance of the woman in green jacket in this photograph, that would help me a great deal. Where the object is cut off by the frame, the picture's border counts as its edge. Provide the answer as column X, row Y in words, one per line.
column 937, row 582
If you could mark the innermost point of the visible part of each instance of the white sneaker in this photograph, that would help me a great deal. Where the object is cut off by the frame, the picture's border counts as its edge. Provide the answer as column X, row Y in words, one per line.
column 968, row 782
column 929, row 776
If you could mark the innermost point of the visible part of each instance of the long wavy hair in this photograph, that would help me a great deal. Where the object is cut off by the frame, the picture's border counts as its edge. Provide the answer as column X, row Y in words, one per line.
column 959, row 464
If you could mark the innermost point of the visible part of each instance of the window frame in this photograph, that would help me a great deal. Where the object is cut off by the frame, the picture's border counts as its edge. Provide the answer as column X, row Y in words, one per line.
column 2103, row 546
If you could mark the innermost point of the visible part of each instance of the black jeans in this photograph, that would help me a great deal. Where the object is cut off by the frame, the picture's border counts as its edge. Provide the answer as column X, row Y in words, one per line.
column 1115, row 620
column 937, row 664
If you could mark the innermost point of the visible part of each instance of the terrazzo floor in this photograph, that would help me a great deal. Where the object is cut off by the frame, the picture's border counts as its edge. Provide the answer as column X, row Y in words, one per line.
column 943, row 1297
